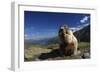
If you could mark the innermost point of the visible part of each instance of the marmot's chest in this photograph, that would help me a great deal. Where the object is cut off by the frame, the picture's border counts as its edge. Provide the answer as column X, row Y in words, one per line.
column 70, row 45
column 67, row 38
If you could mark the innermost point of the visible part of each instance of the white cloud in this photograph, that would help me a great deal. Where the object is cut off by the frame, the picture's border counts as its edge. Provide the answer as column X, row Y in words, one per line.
column 86, row 24
column 75, row 28
column 83, row 23
column 79, row 27
column 26, row 36
column 84, row 19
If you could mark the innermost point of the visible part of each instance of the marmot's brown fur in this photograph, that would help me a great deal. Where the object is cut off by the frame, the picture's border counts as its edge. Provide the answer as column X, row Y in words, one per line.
column 68, row 42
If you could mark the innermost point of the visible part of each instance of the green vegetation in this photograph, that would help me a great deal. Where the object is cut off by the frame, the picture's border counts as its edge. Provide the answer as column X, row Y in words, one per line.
column 84, row 45
column 33, row 51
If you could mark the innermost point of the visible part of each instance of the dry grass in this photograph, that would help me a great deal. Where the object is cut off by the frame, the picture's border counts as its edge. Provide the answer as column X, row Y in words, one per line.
column 33, row 51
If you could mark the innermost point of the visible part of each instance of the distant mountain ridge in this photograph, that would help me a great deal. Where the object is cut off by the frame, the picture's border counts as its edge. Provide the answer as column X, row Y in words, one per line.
column 83, row 35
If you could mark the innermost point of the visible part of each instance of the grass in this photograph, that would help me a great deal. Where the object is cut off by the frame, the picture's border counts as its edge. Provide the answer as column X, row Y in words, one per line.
column 84, row 45
column 32, row 52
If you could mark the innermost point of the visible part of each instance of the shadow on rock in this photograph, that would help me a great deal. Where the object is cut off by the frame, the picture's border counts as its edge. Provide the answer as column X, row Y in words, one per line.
column 53, row 54
column 61, row 53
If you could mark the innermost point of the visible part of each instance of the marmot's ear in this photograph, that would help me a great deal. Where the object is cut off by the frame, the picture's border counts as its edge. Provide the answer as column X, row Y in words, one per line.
column 66, row 27
column 62, row 27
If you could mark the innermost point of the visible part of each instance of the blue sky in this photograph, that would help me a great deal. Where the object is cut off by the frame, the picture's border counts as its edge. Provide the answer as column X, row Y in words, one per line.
column 38, row 25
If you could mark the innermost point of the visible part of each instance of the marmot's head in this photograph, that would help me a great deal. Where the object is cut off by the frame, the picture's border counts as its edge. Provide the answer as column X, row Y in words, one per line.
column 64, row 33
column 63, row 30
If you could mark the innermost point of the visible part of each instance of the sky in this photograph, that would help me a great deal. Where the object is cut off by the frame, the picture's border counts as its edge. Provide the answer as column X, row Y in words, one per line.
column 39, row 25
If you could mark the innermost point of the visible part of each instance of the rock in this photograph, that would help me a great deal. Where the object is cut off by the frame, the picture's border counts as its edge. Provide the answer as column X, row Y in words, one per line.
column 86, row 55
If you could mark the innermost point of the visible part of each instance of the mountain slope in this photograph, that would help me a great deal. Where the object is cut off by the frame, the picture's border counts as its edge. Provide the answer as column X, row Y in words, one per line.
column 83, row 35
